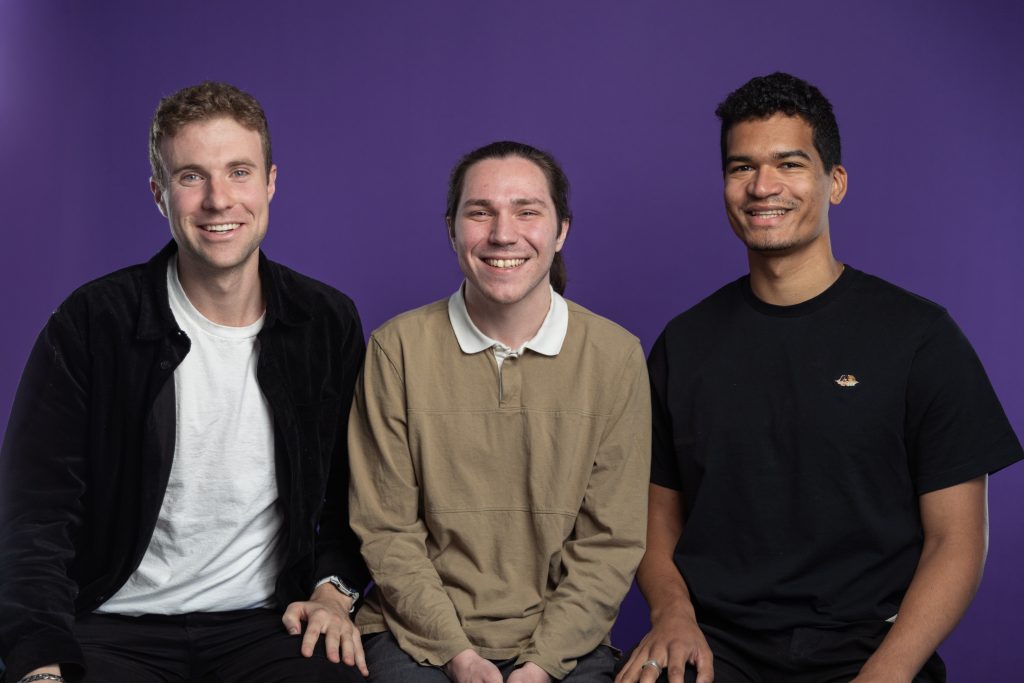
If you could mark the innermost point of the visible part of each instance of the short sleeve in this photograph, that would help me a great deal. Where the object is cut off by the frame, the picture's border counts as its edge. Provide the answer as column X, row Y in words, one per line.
column 956, row 429
column 664, row 466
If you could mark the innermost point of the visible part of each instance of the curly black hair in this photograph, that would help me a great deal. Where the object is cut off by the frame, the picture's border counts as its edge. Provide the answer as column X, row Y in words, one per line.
column 781, row 93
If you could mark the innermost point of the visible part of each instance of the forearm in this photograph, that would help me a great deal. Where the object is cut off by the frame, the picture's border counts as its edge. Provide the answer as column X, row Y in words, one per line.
column 418, row 611
column 580, row 614
column 337, row 546
column 675, row 639
column 939, row 594
column 663, row 588
column 658, row 577
column 384, row 505
column 42, row 475
column 946, row 579
column 608, row 539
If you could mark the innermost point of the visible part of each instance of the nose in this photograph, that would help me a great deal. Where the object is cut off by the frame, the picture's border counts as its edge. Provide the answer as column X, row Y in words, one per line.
column 217, row 196
column 503, row 230
column 764, row 183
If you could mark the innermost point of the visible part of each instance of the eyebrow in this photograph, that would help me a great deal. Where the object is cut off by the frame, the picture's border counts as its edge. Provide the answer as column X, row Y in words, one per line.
column 776, row 156
column 519, row 201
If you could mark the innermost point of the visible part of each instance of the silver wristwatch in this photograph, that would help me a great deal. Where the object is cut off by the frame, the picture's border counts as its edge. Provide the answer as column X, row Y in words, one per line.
column 342, row 588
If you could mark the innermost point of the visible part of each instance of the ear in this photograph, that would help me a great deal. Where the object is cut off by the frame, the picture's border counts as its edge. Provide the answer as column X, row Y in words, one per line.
column 560, row 240
column 838, row 185
column 158, row 197
column 271, row 182
column 451, row 231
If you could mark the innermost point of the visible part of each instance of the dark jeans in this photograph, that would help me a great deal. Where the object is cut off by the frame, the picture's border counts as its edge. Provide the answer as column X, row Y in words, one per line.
column 802, row 655
column 211, row 647
column 388, row 663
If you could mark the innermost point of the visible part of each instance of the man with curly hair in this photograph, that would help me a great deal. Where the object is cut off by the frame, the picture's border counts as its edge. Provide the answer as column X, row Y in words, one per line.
column 822, row 441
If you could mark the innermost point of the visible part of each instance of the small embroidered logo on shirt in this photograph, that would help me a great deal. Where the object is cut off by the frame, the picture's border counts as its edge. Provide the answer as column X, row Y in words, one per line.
column 847, row 381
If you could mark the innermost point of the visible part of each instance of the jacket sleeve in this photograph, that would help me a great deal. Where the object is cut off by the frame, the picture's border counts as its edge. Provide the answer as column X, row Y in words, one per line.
column 387, row 515
column 42, row 475
column 337, row 547
column 602, row 553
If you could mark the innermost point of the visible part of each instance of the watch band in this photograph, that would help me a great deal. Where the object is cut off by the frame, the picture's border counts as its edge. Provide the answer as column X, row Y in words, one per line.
column 342, row 588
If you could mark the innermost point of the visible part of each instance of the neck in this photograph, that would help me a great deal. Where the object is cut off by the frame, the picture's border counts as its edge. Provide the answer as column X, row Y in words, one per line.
column 233, row 298
column 789, row 279
column 511, row 324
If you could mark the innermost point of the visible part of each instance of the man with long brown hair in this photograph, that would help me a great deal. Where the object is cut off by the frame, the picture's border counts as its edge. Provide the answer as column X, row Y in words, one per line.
column 499, row 448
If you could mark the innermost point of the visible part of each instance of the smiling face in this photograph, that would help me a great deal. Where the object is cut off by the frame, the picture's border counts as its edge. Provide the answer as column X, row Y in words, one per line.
column 777, row 190
column 217, row 196
column 506, row 233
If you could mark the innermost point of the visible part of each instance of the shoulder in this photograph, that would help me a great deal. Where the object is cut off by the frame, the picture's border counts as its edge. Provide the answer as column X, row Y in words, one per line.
column 114, row 298
column 874, row 303
column 594, row 324
column 700, row 322
column 605, row 342
column 415, row 325
column 884, row 295
column 312, row 294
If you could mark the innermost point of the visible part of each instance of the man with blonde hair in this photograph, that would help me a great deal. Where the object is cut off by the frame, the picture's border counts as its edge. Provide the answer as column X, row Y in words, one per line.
column 174, row 476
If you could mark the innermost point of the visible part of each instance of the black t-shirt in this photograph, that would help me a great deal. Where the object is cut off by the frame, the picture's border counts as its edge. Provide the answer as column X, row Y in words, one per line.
column 802, row 436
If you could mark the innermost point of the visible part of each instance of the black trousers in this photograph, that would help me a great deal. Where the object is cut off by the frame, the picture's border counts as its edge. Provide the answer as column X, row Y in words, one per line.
column 205, row 647
column 801, row 655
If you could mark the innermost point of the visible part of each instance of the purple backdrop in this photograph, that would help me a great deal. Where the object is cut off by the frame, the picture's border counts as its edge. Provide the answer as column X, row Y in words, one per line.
column 370, row 103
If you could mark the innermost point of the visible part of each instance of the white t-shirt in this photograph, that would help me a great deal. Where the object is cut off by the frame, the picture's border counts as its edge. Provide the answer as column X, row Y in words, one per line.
column 217, row 540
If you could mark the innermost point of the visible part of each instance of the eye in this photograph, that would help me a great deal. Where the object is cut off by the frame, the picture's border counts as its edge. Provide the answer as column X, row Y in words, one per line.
column 240, row 173
column 740, row 168
column 190, row 178
column 791, row 164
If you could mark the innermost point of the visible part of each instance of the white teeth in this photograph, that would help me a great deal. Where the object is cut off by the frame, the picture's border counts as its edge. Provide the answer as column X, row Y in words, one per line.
column 505, row 262
column 221, row 227
column 773, row 212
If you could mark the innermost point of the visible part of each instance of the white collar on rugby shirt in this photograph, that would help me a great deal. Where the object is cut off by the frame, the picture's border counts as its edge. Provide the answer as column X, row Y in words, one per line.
column 547, row 341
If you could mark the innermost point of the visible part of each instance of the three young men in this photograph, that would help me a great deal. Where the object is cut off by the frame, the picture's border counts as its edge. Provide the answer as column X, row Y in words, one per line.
column 174, row 472
column 821, row 441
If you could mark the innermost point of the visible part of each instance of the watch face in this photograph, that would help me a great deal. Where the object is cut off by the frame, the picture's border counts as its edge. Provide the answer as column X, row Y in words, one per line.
column 340, row 585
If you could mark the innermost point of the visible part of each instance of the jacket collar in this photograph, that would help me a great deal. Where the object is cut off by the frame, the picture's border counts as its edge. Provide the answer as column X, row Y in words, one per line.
column 156, row 320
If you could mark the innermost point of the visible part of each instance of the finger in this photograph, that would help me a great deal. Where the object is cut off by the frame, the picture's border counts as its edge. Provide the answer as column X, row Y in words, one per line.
column 332, row 643
column 676, row 672
column 704, row 662
column 292, row 618
column 630, row 673
column 314, row 627
column 676, row 662
column 649, row 674
column 357, row 652
column 348, row 642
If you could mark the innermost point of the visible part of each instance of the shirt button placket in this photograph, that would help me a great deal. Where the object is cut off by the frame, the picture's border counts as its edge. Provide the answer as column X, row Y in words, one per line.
column 511, row 382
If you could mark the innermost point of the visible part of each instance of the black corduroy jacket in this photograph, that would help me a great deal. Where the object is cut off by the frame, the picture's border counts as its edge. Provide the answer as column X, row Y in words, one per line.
column 88, row 449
